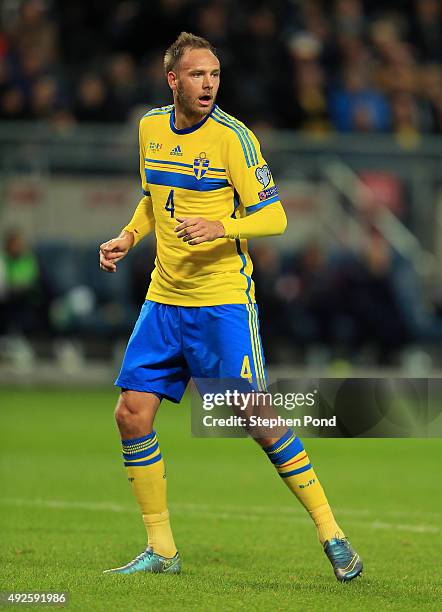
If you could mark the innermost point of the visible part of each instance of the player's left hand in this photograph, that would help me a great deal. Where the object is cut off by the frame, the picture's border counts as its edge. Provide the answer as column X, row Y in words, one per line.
column 198, row 230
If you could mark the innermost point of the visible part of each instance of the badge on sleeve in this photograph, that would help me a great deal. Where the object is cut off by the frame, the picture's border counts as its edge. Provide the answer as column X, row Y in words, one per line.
column 263, row 175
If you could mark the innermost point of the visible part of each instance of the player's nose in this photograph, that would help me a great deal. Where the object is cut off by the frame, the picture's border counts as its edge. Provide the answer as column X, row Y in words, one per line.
column 207, row 84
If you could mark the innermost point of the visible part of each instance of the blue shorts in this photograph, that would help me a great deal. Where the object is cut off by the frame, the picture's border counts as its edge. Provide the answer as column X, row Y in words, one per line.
column 171, row 344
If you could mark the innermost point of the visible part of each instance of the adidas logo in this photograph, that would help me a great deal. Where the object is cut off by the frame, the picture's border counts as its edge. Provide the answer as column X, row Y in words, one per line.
column 176, row 151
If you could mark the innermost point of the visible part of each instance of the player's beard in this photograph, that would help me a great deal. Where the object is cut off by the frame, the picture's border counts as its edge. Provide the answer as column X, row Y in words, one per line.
column 189, row 106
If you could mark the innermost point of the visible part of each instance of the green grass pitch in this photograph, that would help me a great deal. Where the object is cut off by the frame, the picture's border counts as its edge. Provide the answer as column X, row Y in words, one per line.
column 67, row 513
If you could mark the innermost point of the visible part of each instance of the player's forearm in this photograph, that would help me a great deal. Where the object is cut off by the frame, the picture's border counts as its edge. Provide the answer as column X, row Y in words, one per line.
column 143, row 220
column 268, row 221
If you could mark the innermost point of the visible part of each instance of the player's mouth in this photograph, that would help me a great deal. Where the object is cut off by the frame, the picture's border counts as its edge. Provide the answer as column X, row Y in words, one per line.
column 205, row 100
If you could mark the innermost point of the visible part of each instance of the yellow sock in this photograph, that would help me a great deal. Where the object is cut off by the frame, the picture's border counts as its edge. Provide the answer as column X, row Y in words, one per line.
column 325, row 523
column 145, row 469
column 294, row 467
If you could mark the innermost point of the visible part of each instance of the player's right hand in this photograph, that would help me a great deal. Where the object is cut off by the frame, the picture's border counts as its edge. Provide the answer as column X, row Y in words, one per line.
column 114, row 250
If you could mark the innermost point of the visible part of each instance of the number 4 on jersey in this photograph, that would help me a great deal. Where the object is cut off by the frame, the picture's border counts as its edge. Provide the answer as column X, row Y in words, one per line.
column 170, row 206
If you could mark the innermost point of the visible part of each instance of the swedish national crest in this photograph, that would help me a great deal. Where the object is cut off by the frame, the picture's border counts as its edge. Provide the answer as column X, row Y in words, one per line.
column 200, row 165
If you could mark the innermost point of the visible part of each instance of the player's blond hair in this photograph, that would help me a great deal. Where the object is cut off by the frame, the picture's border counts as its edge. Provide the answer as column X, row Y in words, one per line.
column 184, row 41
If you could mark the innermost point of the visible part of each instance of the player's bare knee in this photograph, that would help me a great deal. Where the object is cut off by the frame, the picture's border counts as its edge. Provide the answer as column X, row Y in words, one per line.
column 125, row 410
column 136, row 409
column 121, row 413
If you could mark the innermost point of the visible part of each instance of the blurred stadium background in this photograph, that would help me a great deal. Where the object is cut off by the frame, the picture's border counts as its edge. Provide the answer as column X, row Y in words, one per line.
column 346, row 97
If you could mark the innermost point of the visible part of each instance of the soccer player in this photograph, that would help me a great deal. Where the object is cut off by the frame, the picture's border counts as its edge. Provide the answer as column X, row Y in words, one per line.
column 206, row 190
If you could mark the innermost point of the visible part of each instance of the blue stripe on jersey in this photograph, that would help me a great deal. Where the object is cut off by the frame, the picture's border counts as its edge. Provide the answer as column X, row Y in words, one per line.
column 236, row 202
column 239, row 251
column 222, row 118
column 241, row 128
column 161, row 110
column 146, row 193
column 244, row 130
column 164, row 161
column 244, row 263
column 241, row 140
column 174, row 163
column 255, row 207
column 156, row 114
column 185, row 181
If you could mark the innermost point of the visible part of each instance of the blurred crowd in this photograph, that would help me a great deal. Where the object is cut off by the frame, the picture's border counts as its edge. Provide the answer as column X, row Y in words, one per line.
column 352, row 305
column 307, row 65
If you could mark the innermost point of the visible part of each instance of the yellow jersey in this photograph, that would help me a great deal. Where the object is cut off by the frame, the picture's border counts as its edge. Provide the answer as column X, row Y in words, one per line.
column 213, row 170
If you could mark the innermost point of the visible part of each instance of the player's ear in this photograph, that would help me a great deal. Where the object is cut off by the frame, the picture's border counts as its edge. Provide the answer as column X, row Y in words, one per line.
column 172, row 80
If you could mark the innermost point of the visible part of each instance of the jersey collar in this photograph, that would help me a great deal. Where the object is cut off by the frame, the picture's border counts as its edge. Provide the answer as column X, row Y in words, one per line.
column 190, row 129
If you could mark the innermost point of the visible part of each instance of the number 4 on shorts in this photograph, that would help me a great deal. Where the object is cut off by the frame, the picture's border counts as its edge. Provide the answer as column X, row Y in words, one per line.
column 170, row 206
column 246, row 371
